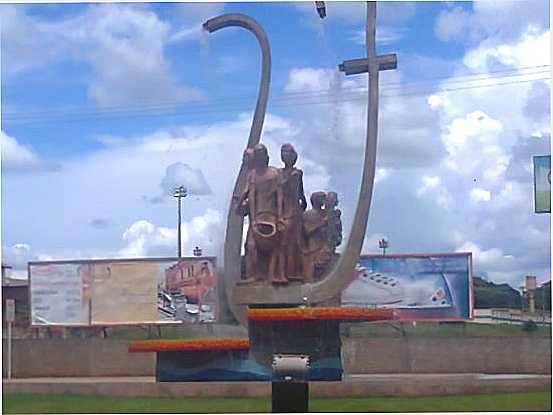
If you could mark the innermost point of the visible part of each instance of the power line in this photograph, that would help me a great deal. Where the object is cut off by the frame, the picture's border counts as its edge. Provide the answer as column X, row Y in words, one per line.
column 171, row 103
column 153, row 105
column 233, row 108
column 331, row 99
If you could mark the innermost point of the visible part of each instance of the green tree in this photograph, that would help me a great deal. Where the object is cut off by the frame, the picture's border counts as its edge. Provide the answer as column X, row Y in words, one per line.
column 491, row 295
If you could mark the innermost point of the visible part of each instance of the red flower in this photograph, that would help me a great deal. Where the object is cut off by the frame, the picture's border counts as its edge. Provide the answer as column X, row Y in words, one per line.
column 319, row 313
column 170, row 345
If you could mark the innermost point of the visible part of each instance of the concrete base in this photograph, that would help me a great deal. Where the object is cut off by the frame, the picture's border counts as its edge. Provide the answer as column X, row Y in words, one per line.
column 261, row 294
column 357, row 385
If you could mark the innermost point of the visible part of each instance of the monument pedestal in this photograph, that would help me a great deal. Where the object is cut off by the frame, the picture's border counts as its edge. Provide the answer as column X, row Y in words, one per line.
column 290, row 397
column 319, row 339
column 311, row 331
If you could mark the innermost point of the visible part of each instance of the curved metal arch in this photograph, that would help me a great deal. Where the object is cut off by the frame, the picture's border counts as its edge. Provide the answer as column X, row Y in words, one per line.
column 337, row 279
column 235, row 222
column 340, row 275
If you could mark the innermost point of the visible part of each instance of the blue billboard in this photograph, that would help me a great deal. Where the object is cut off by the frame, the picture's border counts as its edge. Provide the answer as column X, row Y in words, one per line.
column 416, row 286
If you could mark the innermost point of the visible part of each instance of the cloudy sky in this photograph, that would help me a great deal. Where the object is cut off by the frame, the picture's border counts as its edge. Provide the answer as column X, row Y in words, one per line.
column 107, row 107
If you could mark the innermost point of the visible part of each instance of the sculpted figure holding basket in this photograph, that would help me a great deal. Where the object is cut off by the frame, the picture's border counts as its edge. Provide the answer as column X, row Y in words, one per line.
column 262, row 202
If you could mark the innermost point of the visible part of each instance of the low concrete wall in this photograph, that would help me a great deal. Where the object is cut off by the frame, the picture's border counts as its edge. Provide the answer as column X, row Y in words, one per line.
column 76, row 357
column 107, row 357
column 522, row 354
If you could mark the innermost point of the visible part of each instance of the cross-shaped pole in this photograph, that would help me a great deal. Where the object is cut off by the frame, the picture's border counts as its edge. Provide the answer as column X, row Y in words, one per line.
column 379, row 63
column 338, row 278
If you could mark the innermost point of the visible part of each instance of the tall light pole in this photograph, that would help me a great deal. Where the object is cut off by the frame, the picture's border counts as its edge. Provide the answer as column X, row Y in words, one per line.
column 180, row 192
column 383, row 244
column 321, row 9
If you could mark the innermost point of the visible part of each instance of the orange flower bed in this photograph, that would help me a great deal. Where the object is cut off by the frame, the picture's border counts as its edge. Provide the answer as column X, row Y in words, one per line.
column 319, row 313
column 173, row 345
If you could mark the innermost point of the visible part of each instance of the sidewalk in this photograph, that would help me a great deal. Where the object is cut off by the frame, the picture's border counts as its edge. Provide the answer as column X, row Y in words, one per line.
column 352, row 385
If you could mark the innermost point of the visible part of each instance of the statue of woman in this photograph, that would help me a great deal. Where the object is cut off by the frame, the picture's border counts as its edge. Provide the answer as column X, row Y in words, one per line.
column 293, row 205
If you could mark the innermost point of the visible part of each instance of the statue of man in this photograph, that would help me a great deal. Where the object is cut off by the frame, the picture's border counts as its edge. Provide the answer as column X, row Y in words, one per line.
column 262, row 200
column 293, row 205
column 334, row 219
column 243, row 209
column 314, row 241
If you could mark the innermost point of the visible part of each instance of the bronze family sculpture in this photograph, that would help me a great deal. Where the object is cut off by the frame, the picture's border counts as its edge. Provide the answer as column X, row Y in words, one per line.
column 272, row 219
column 285, row 242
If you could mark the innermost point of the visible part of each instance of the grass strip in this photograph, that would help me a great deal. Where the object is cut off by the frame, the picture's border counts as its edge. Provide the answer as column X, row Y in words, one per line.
column 32, row 404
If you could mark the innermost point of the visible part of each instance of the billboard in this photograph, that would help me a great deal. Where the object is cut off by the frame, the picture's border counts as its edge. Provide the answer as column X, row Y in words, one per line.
column 542, row 184
column 416, row 286
column 123, row 291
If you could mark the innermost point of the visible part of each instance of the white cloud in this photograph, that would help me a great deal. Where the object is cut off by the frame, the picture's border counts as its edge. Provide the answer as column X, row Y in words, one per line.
column 530, row 50
column 123, row 43
column 385, row 35
column 435, row 101
column 429, row 183
column 26, row 42
column 486, row 258
column 17, row 157
column 127, row 55
column 145, row 239
column 181, row 174
column 478, row 195
column 142, row 235
column 380, row 175
column 451, row 23
column 512, row 194
column 17, row 256
column 502, row 267
column 316, row 177
column 408, row 131
column 505, row 20
column 474, row 145
column 433, row 188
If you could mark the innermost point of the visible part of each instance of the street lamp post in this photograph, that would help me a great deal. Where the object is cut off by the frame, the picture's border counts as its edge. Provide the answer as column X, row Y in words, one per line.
column 383, row 244
column 321, row 9
column 197, row 251
column 180, row 192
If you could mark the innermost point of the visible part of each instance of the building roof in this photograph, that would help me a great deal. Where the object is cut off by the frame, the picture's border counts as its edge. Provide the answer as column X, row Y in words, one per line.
column 14, row 282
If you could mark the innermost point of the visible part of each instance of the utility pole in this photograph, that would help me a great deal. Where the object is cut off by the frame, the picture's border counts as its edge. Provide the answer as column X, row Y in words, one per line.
column 383, row 244
column 180, row 192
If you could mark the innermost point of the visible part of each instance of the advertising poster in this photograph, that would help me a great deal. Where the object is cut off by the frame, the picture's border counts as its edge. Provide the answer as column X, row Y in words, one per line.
column 137, row 291
column 542, row 184
column 188, row 291
column 417, row 286
column 57, row 295
column 123, row 292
